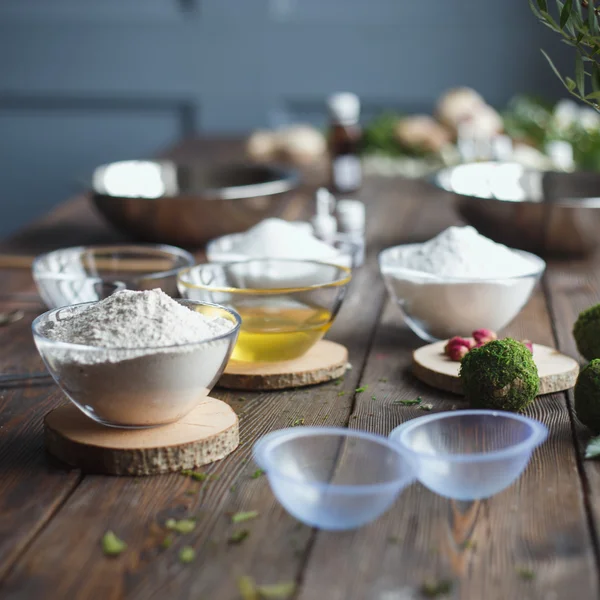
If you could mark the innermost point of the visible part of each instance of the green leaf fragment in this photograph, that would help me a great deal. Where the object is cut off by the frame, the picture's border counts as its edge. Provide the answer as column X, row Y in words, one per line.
column 112, row 545
column 525, row 573
column 565, row 13
column 340, row 394
column 414, row 402
column 196, row 476
column 240, row 517
column 167, row 542
column 237, row 537
column 247, row 588
column 571, row 85
column 383, row 380
column 277, row 591
column 436, row 589
column 373, row 398
column 298, row 422
column 579, row 73
column 362, row 389
column 593, row 448
column 187, row 554
column 258, row 473
column 182, row 526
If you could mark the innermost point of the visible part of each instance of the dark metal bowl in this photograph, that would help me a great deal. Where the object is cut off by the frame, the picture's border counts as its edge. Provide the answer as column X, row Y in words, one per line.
column 187, row 205
column 551, row 214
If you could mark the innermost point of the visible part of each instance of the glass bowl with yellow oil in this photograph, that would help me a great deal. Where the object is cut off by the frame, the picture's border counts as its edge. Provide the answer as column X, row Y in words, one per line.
column 286, row 305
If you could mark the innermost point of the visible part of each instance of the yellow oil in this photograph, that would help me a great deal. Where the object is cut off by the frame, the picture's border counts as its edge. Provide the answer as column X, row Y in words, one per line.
column 269, row 335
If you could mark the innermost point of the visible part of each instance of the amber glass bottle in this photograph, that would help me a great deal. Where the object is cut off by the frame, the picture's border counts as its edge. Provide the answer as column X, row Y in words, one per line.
column 345, row 135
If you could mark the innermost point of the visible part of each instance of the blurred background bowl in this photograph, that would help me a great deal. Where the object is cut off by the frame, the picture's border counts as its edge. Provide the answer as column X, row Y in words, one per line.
column 161, row 201
column 437, row 308
column 549, row 213
column 286, row 306
column 90, row 273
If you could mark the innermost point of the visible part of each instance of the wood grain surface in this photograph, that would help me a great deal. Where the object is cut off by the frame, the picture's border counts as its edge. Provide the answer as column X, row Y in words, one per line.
column 52, row 518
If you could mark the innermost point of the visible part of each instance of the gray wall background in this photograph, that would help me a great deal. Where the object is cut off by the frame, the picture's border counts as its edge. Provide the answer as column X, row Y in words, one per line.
column 83, row 82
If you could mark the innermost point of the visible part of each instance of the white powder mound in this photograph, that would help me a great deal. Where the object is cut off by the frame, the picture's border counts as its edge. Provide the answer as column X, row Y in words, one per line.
column 129, row 319
column 463, row 252
column 276, row 238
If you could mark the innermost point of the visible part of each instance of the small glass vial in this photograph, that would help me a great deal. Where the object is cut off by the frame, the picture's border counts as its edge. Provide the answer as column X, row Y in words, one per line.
column 345, row 136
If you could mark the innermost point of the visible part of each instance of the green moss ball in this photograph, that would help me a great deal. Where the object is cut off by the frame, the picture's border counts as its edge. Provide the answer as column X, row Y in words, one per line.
column 586, row 332
column 587, row 396
column 501, row 375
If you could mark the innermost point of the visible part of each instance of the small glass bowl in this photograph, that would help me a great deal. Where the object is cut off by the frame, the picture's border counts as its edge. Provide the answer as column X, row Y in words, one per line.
column 286, row 306
column 141, row 387
column 333, row 478
column 469, row 454
column 89, row 273
column 220, row 251
column 437, row 308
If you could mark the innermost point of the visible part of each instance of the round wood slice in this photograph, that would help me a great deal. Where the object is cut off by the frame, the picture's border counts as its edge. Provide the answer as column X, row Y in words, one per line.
column 209, row 433
column 557, row 371
column 323, row 362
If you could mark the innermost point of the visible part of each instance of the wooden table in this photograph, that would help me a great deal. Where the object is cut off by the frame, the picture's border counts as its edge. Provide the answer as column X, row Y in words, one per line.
column 537, row 539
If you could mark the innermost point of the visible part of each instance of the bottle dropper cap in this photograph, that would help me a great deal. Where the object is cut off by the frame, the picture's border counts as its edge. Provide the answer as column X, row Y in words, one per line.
column 351, row 215
column 344, row 108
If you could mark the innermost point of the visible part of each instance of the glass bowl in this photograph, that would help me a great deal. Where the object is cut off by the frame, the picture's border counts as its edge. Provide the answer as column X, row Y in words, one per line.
column 437, row 308
column 469, row 454
column 221, row 251
column 89, row 273
column 332, row 478
column 286, row 306
column 141, row 387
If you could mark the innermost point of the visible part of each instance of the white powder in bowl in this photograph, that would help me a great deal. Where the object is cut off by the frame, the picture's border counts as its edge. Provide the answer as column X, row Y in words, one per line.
column 144, row 359
column 461, row 252
column 458, row 282
column 276, row 238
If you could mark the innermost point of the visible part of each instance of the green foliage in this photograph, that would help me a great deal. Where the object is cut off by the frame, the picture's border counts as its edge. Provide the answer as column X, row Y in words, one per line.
column 586, row 332
column 577, row 22
column 587, row 396
column 501, row 375
column 379, row 136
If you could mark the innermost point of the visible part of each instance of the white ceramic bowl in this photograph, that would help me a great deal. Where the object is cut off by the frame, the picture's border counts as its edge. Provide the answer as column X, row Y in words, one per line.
column 437, row 308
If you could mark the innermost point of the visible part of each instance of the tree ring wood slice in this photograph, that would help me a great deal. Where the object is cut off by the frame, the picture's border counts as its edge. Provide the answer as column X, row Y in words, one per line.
column 323, row 362
column 557, row 371
column 207, row 434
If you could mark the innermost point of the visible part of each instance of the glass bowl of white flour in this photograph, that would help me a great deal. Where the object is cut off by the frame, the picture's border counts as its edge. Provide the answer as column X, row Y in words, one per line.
column 138, row 358
column 458, row 282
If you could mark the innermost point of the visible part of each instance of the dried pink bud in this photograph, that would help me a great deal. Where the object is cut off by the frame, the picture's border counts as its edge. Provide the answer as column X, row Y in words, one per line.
column 483, row 336
column 457, row 347
column 457, row 352
column 528, row 344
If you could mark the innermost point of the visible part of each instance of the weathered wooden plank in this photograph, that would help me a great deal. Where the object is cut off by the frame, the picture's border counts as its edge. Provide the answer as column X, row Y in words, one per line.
column 540, row 523
column 66, row 556
column 572, row 288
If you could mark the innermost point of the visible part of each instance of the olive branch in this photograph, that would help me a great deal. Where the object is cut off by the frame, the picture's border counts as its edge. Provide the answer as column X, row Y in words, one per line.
column 576, row 21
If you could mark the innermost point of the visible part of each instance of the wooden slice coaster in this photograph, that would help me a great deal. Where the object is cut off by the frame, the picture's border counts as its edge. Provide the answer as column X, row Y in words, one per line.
column 323, row 362
column 209, row 433
column 557, row 371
